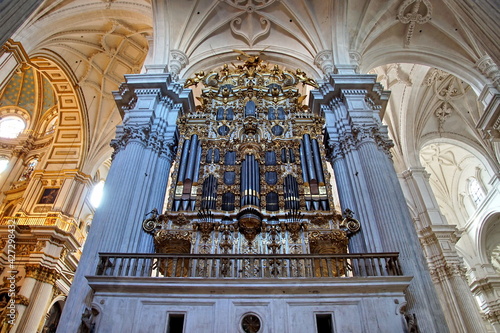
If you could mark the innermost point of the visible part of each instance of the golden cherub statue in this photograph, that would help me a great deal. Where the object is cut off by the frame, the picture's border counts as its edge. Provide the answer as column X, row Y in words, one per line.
column 304, row 79
column 198, row 77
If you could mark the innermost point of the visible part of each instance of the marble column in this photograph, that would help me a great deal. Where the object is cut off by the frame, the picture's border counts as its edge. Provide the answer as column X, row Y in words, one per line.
column 438, row 239
column 356, row 132
column 136, row 182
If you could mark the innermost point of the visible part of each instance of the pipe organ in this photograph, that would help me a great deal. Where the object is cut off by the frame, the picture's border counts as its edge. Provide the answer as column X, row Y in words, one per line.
column 251, row 156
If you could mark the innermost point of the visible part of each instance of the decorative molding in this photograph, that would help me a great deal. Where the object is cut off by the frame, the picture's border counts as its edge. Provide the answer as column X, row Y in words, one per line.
column 411, row 16
column 488, row 67
column 447, row 88
column 400, row 75
column 324, row 60
column 443, row 113
column 42, row 273
column 172, row 241
column 24, row 250
column 178, row 60
column 358, row 136
column 355, row 58
column 250, row 23
column 118, row 54
column 22, row 300
column 493, row 317
column 143, row 136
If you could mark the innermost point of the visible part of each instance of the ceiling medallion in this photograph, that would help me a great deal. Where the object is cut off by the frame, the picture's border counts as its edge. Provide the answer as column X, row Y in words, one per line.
column 414, row 15
column 250, row 25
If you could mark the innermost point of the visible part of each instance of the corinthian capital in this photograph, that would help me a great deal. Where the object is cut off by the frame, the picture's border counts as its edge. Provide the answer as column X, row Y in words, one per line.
column 324, row 60
column 178, row 60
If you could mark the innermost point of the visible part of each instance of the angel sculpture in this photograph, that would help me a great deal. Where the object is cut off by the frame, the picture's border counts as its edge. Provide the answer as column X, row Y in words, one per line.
column 251, row 61
column 304, row 79
column 198, row 77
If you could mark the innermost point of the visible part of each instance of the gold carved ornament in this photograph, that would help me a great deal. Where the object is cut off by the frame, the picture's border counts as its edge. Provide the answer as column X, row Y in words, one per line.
column 42, row 274
column 333, row 242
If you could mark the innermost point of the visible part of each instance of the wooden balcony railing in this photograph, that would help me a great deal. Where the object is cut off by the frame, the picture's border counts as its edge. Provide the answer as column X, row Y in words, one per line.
column 243, row 266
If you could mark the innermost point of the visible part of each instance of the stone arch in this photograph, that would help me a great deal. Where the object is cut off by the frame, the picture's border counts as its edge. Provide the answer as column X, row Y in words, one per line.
column 450, row 162
column 44, row 124
column 489, row 228
column 459, row 67
column 472, row 147
column 68, row 146
column 54, row 313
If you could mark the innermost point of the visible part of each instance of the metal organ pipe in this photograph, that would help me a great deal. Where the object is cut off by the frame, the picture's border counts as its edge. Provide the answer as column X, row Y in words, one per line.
column 213, row 191
column 193, row 149
column 182, row 164
column 303, row 160
column 292, row 156
column 250, row 176
column 252, row 180
column 294, row 195
column 197, row 165
column 196, row 175
column 317, row 161
column 258, row 183
column 209, row 192
column 308, row 153
column 243, row 180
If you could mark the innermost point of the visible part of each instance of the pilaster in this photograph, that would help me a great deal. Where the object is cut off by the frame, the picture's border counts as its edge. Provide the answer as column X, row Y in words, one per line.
column 485, row 286
column 438, row 240
column 144, row 146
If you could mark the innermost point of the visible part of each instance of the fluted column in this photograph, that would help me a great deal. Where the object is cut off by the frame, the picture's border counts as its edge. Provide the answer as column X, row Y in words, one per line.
column 438, row 239
column 352, row 104
column 136, row 182
column 36, row 291
column 397, row 232
column 345, row 161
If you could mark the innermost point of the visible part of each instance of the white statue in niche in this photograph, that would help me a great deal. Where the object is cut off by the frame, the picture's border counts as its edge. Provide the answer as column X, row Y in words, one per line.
column 495, row 257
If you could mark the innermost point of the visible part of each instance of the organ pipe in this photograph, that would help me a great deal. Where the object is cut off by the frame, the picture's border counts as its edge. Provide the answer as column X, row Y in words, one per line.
column 308, row 153
column 317, row 161
column 197, row 165
column 303, row 159
column 193, row 149
column 250, row 181
column 182, row 164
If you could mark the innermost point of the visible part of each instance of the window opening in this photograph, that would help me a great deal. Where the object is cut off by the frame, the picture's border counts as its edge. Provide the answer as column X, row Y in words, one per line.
column 476, row 191
column 175, row 323
column 11, row 127
column 4, row 162
column 97, row 193
column 51, row 127
column 28, row 170
column 324, row 323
